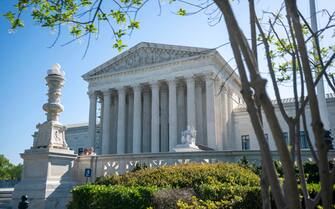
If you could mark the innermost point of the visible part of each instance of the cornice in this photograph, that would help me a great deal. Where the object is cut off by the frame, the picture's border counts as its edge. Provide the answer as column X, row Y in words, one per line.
column 289, row 103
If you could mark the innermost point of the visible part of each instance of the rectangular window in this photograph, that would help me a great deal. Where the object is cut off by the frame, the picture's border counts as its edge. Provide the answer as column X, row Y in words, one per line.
column 80, row 150
column 245, row 142
column 303, row 141
column 285, row 136
column 267, row 138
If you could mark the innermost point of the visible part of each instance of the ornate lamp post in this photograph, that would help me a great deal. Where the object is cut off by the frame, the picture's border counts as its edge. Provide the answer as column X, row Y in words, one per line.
column 48, row 173
column 51, row 134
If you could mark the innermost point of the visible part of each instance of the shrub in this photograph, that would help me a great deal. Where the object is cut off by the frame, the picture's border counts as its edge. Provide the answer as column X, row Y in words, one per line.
column 230, row 196
column 111, row 197
column 255, row 167
column 168, row 198
column 236, row 198
column 139, row 166
column 184, row 176
column 223, row 185
column 311, row 172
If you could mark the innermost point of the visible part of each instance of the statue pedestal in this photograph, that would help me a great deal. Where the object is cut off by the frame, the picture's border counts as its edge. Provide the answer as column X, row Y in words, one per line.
column 47, row 178
column 50, row 134
column 186, row 148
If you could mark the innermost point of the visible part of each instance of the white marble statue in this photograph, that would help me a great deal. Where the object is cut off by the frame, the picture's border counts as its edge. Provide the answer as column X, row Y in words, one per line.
column 188, row 138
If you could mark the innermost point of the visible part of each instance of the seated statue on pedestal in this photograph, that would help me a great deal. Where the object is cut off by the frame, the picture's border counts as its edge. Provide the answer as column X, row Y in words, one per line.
column 188, row 138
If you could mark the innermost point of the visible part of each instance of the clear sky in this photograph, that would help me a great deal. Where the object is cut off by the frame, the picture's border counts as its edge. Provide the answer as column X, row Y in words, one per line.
column 25, row 58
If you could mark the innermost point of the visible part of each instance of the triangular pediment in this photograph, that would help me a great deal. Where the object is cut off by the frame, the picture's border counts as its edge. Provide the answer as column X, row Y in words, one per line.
column 145, row 54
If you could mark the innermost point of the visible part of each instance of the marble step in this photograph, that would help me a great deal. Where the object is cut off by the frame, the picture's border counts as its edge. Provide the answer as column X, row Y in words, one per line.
column 5, row 198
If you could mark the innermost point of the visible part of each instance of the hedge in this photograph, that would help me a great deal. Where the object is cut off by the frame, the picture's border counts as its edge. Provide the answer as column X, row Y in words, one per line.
column 107, row 197
column 226, row 184
column 236, row 197
column 185, row 175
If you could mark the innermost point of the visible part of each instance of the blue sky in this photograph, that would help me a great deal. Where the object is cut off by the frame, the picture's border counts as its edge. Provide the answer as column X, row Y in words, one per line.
column 25, row 58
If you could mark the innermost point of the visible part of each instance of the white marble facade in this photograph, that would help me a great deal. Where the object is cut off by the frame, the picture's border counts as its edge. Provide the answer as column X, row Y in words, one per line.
column 142, row 99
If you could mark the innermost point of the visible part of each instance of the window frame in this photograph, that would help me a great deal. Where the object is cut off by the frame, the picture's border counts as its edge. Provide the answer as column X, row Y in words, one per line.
column 245, row 142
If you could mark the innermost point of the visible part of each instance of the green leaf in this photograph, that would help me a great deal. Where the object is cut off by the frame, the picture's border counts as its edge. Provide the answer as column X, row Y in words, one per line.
column 91, row 28
column 119, row 16
column 102, row 16
column 86, row 2
column 119, row 45
column 136, row 2
column 76, row 31
column 10, row 16
column 181, row 12
column 134, row 24
column 120, row 33
column 17, row 24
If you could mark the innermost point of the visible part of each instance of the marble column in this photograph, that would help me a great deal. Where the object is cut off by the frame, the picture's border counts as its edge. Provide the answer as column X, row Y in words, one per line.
column 236, row 144
column 92, row 118
column 155, row 117
column 199, row 113
column 129, row 121
column 210, row 112
column 190, row 85
column 113, row 134
column 181, row 109
column 204, row 113
column 121, row 121
column 146, row 120
column 164, row 118
column 172, row 114
column 137, row 126
column 219, row 116
column 106, row 122
column 226, row 145
column 98, row 136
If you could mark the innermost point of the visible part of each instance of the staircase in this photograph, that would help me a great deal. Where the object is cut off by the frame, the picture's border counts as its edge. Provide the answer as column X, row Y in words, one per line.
column 5, row 197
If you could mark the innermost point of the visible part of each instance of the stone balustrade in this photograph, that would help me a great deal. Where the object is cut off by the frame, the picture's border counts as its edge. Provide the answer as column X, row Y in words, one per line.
column 103, row 165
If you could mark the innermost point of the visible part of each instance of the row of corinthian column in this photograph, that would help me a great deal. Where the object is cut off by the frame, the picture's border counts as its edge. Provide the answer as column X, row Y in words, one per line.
column 137, row 115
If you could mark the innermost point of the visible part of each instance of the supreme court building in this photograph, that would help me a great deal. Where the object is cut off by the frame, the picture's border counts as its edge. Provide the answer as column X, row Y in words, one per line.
column 142, row 99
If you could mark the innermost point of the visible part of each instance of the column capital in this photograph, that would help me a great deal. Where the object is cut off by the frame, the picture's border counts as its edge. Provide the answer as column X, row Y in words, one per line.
column 171, row 81
column 210, row 76
column 199, row 80
column 106, row 92
column 136, row 87
column 121, row 89
column 92, row 94
column 190, row 80
column 154, row 84
column 190, row 77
